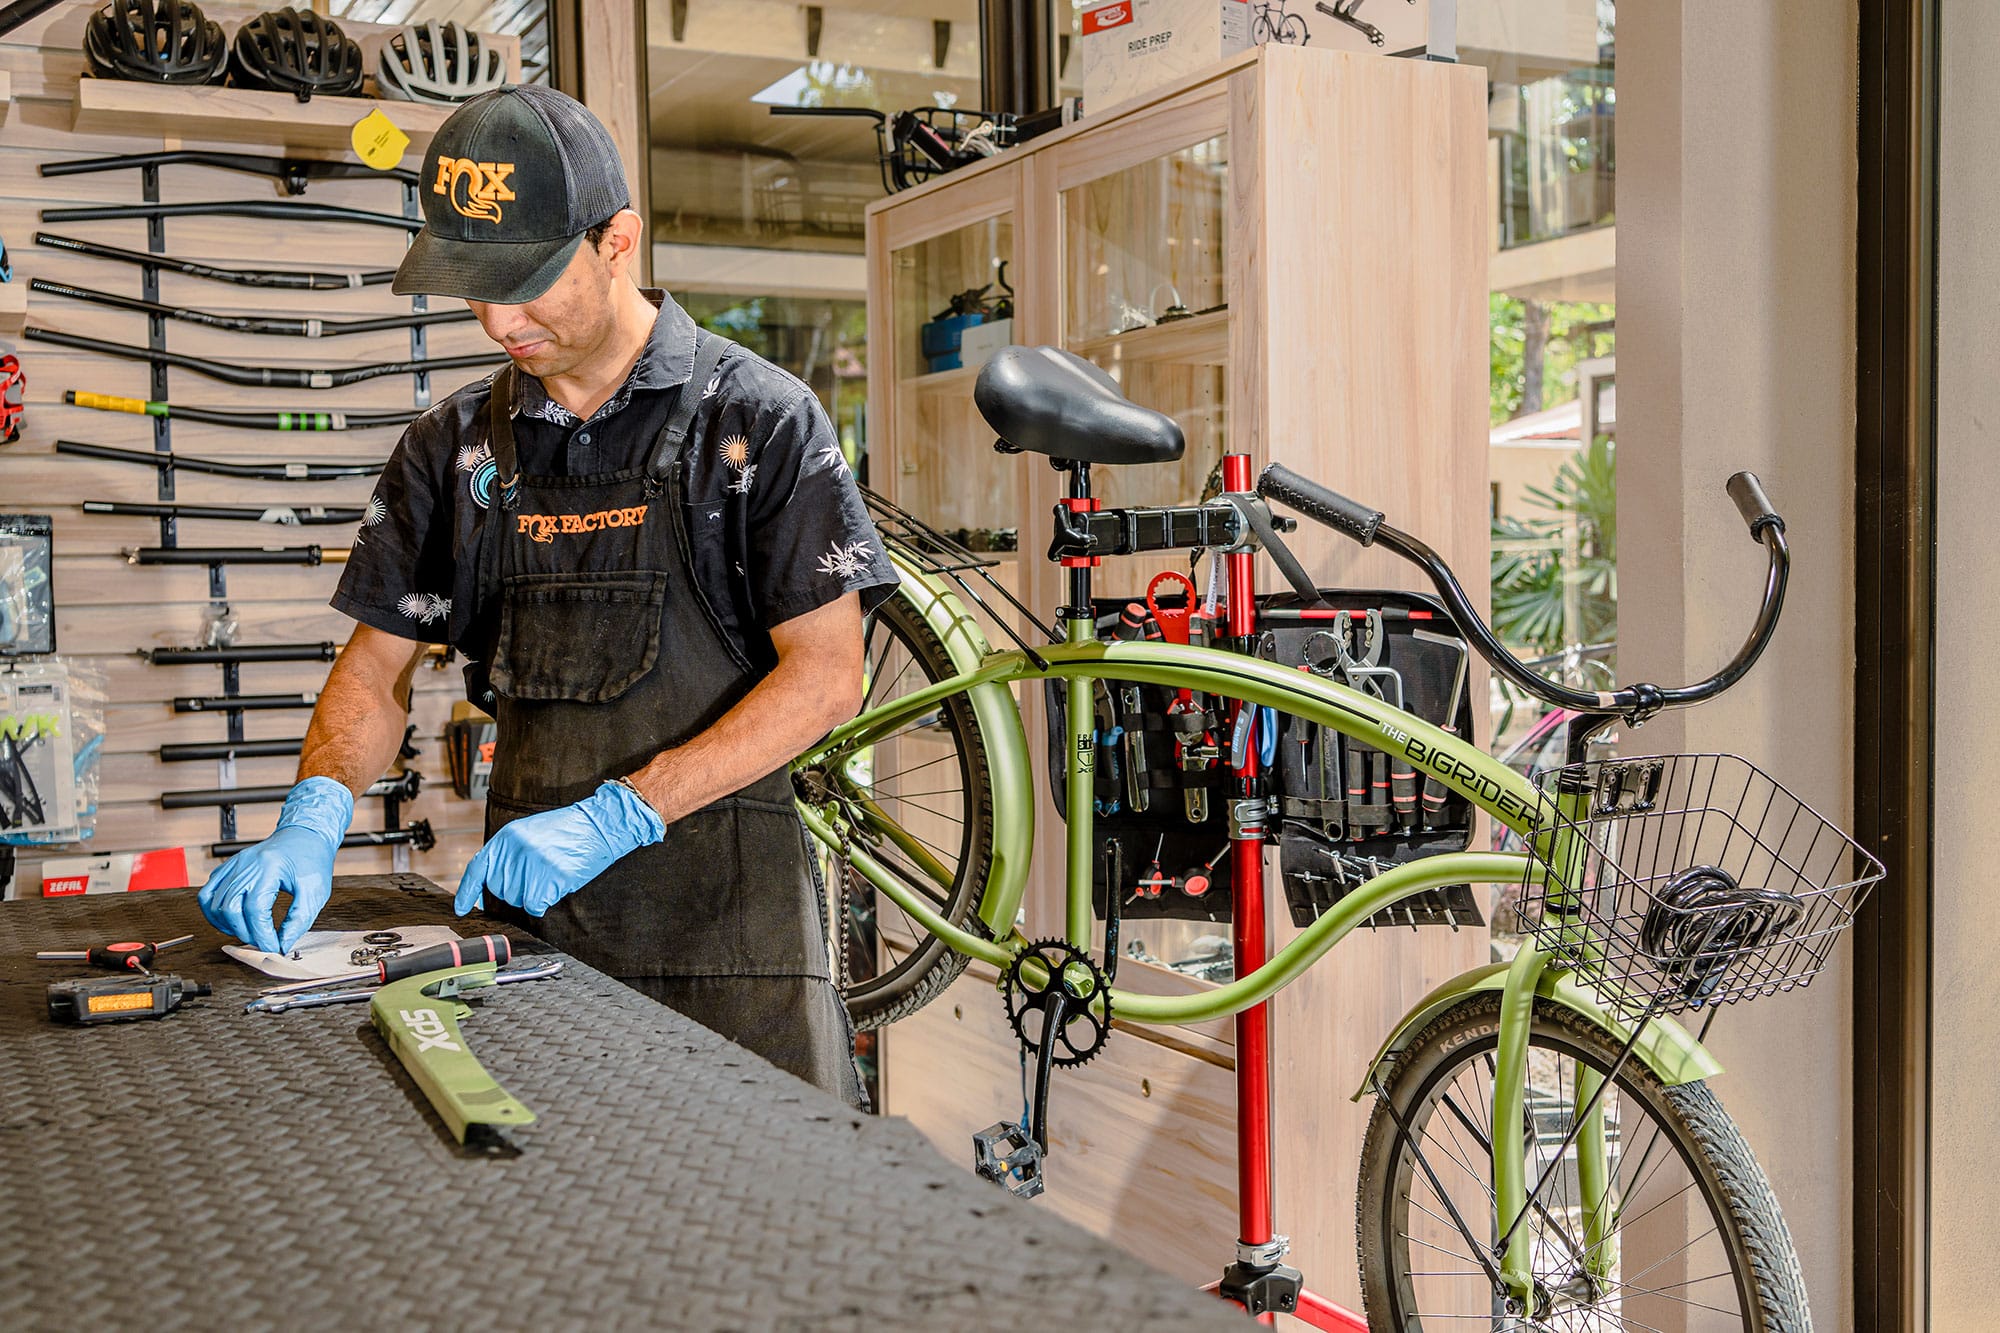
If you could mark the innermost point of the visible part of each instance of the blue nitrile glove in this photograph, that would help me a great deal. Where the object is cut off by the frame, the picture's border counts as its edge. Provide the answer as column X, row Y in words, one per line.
column 536, row 862
column 297, row 859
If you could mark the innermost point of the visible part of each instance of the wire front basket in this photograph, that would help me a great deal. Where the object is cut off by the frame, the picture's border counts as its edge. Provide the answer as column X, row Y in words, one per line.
column 1689, row 880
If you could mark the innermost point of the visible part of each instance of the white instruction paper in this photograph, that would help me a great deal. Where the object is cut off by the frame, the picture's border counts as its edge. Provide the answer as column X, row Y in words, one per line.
column 330, row 953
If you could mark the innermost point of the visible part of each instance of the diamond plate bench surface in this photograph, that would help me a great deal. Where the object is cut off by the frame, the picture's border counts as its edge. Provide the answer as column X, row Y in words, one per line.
column 223, row 1169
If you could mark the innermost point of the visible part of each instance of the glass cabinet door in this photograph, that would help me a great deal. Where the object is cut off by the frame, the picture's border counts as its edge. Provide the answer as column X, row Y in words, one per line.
column 1143, row 297
column 953, row 309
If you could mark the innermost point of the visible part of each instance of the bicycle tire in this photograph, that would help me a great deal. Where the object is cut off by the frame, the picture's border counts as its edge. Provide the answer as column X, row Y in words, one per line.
column 1770, row 1290
column 920, row 976
column 1260, row 30
column 1292, row 31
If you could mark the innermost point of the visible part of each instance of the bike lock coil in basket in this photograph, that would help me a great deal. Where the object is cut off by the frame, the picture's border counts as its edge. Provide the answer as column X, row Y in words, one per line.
column 295, row 51
column 1689, row 880
column 155, row 41
column 438, row 62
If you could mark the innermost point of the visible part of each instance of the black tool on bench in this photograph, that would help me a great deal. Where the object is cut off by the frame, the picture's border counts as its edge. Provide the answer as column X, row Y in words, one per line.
column 90, row 1000
column 497, row 949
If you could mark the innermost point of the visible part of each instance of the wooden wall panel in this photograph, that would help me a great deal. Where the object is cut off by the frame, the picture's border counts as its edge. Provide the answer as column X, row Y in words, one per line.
column 108, row 609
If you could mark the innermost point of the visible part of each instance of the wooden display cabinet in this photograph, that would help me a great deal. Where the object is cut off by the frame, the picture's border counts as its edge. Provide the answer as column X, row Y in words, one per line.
column 1286, row 254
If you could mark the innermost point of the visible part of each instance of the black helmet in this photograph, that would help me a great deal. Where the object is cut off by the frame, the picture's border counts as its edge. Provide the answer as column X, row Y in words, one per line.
column 295, row 51
column 155, row 41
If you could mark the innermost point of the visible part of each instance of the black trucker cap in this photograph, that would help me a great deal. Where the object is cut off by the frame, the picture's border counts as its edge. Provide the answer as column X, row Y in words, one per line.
column 510, row 183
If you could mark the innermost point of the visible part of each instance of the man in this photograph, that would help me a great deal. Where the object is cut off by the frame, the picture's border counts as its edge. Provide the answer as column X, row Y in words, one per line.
column 647, row 543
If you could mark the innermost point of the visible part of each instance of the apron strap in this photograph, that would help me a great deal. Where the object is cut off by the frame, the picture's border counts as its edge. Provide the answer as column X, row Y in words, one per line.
column 500, row 433
column 709, row 349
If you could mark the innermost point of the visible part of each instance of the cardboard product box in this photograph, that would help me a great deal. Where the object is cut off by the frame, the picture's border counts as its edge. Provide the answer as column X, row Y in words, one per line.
column 127, row 872
column 978, row 344
column 1130, row 47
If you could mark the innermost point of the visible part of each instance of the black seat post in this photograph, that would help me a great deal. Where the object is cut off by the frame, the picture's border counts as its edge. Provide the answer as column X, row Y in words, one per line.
column 1079, row 501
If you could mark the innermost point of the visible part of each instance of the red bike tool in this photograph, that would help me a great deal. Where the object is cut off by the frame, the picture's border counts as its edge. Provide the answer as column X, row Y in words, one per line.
column 1197, row 883
column 1156, row 882
column 127, row 956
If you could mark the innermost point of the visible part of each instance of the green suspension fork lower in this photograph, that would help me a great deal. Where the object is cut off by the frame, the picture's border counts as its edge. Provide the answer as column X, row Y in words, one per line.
column 1510, row 1147
column 1510, row 1093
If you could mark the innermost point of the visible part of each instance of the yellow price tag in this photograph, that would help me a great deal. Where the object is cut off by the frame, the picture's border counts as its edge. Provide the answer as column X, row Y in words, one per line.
column 378, row 142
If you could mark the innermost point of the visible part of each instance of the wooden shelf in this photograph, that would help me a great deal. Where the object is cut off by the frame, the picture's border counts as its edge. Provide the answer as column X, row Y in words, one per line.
column 13, row 307
column 1199, row 340
column 944, row 381
column 243, row 116
column 6, row 90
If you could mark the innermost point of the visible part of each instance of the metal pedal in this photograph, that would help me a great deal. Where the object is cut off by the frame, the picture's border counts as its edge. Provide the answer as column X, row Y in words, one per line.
column 1002, row 1150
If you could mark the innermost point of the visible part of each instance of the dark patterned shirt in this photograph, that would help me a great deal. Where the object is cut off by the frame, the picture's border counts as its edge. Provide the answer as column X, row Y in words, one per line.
column 776, row 526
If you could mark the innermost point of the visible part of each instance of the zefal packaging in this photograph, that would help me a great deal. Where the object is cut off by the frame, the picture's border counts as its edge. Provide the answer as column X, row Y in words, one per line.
column 1130, row 47
column 128, row 872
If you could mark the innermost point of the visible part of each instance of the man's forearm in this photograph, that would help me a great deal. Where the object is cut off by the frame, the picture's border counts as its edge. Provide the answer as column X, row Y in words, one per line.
column 357, row 726
column 783, row 714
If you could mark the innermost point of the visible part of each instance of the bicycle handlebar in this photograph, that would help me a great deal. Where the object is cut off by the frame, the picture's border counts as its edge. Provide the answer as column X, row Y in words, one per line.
column 1367, row 527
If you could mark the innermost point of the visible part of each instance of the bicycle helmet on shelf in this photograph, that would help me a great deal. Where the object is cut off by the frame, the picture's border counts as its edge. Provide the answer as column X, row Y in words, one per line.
column 155, row 41
column 13, row 390
column 295, row 51
column 438, row 62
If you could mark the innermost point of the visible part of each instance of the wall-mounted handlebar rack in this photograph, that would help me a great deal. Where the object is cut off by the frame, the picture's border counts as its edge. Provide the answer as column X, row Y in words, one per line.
column 220, row 650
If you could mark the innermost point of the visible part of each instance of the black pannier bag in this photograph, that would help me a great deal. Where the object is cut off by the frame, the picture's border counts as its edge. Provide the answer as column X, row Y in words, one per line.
column 1343, row 812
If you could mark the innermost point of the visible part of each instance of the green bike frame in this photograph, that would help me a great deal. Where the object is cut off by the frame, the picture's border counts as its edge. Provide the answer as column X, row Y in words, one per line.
column 984, row 677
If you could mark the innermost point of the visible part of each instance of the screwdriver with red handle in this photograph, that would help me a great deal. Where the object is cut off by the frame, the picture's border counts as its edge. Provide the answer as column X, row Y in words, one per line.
column 431, row 958
column 128, row 955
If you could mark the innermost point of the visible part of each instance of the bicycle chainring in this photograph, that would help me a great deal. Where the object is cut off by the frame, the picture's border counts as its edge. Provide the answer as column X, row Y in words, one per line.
column 1084, row 1029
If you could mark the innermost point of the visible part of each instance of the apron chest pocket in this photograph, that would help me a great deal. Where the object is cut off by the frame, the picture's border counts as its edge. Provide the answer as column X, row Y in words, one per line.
column 584, row 638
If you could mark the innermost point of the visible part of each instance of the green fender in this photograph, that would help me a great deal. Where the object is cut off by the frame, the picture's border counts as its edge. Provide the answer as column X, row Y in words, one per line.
column 999, row 723
column 1665, row 1047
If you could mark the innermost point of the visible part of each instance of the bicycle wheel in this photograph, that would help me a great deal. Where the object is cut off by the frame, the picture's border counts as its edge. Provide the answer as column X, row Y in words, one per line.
column 1692, row 1238
column 918, row 801
column 1292, row 31
column 1260, row 29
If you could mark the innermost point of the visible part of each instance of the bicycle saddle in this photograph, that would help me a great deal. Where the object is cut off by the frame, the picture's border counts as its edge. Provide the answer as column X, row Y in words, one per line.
column 1048, row 401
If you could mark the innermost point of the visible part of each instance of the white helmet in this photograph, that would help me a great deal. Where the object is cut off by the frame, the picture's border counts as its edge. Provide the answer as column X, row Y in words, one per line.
column 438, row 62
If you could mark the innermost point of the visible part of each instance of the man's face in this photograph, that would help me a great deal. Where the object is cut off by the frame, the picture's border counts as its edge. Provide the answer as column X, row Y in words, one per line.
column 563, row 327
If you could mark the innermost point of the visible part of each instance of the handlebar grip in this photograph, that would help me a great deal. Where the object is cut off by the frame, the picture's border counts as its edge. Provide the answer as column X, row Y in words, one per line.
column 1754, row 505
column 1280, row 483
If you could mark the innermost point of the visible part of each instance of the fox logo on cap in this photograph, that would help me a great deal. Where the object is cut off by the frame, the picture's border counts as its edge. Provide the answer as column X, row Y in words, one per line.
column 485, row 186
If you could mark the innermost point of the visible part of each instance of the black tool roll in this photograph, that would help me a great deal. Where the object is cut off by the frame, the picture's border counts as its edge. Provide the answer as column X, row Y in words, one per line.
column 1344, row 811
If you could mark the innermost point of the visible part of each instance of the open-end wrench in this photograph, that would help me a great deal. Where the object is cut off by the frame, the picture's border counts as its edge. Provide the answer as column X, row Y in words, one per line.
column 278, row 1004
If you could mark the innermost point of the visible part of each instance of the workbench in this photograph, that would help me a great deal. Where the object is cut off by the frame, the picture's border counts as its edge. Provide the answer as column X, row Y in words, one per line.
column 216, row 1168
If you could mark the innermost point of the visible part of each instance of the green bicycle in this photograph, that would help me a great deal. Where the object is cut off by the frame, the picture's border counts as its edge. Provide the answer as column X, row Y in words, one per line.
column 1544, row 1150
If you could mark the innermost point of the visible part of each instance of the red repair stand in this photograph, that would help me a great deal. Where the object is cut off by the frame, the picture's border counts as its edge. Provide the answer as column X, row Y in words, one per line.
column 1259, row 1280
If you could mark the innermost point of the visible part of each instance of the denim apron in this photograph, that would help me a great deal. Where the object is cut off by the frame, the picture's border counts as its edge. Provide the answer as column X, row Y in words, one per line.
column 603, row 658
